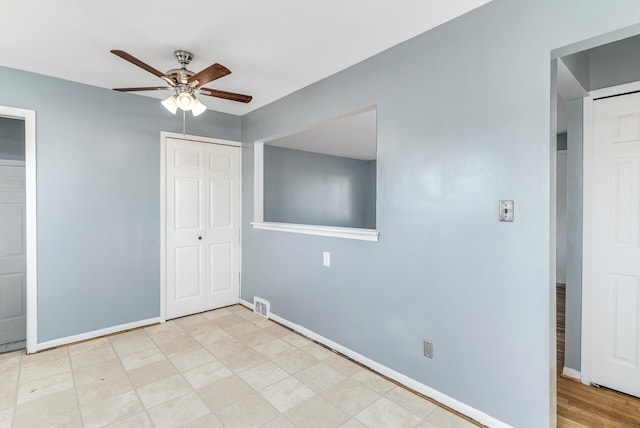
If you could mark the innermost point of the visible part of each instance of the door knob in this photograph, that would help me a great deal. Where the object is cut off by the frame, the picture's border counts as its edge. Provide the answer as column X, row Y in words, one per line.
column 199, row 237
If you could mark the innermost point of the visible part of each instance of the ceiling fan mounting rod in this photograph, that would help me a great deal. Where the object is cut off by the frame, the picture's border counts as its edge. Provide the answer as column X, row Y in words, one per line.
column 184, row 57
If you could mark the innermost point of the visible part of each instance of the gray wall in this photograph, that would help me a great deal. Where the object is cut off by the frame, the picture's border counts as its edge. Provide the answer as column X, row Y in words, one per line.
column 11, row 139
column 624, row 54
column 562, row 141
column 312, row 188
column 573, row 314
column 98, row 219
column 457, row 131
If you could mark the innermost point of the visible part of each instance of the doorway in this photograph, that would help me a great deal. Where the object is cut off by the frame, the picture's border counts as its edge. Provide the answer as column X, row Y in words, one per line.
column 18, row 268
column 200, row 200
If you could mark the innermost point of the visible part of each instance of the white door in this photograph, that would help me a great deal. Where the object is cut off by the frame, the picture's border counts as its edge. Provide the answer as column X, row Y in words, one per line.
column 202, row 226
column 615, row 341
column 13, row 292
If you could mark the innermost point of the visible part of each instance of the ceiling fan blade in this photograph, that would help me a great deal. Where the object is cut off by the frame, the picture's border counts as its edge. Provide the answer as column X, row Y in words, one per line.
column 226, row 95
column 148, row 88
column 209, row 74
column 135, row 61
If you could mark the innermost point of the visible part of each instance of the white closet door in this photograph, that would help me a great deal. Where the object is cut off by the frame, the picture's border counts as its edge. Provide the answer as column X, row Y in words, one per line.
column 13, row 321
column 202, row 221
column 615, row 342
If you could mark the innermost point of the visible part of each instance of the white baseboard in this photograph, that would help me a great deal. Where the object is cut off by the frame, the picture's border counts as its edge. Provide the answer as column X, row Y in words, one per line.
column 452, row 403
column 96, row 333
column 575, row 374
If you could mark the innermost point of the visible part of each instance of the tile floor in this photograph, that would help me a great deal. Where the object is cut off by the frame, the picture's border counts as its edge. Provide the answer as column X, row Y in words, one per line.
column 224, row 368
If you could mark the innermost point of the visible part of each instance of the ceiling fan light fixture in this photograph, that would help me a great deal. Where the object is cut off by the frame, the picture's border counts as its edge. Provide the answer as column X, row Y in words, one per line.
column 171, row 104
column 186, row 101
column 198, row 108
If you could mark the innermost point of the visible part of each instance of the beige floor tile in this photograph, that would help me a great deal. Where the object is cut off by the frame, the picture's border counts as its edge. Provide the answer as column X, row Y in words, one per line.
column 192, row 359
column 352, row 423
column 91, row 357
column 319, row 376
column 442, row 418
column 169, row 336
column 44, row 370
column 212, row 337
column 208, row 421
column 384, row 413
column 43, row 387
column 263, row 375
column 227, row 347
column 249, row 412
column 179, row 347
column 243, row 360
column 163, row 391
column 412, row 402
column 45, row 357
column 131, row 347
column 51, row 407
column 6, row 418
column 257, row 338
column 317, row 351
column 287, row 393
column 204, row 327
column 139, row 420
column 67, row 420
column 306, row 414
column 9, row 378
column 111, row 410
column 281, row 422
column 151, row 373
column 190, row 321
column 208, row 373
column 294, row 361
column 276, row 330
column 107, row 387
column 128, row 336
column 142, row 358
column 229, row 320
column 342, row 364
column 350, row 396
column 7, row 398
column 164, row 327
column 248, row 314
column 296, row 340
column 242, row 328
column 218, row 313
column 180, row 411
column 89, row 345
column 274, row 348
column 98, row 372
column 373, row 381
column 225, row 392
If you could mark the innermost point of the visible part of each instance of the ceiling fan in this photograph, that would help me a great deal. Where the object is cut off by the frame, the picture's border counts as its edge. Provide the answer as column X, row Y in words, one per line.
column 185, row 83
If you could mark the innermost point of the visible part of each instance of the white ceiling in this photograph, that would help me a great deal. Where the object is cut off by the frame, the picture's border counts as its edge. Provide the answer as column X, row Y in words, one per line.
column 353, row 136
column 272, row 47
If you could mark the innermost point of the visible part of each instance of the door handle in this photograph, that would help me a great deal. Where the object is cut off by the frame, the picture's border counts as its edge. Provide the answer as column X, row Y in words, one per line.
column 199, row 237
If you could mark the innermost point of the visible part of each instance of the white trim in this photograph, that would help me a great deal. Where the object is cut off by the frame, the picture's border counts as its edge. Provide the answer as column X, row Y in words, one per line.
column 587, row 240
column 163, row 214
column 8, row 162
column 29, row 117
column 614, row 90
column 308, row 229
column 574, row 374
column 413, row 384
column 96, row 333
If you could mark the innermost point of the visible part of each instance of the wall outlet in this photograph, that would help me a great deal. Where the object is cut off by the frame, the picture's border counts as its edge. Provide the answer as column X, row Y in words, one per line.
column 326, row 259
column 506, row 211
column 428, row 349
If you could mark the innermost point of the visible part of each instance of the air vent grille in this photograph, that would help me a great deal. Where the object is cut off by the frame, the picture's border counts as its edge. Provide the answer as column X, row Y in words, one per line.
column 261, row 307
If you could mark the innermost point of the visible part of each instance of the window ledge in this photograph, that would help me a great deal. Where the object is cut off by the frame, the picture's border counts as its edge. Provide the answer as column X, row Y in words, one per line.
column 307, row 229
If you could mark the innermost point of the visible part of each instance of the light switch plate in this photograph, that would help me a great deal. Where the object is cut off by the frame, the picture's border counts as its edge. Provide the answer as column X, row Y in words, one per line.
column 326, row 259
column 506, row 211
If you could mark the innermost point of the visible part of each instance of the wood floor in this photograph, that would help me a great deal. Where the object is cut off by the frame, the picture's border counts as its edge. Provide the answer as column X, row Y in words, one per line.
column 582, row 406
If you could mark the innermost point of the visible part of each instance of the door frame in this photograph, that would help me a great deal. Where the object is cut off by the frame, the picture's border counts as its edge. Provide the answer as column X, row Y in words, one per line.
column 163, row 207
column 587, row 220
column 29, row 118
